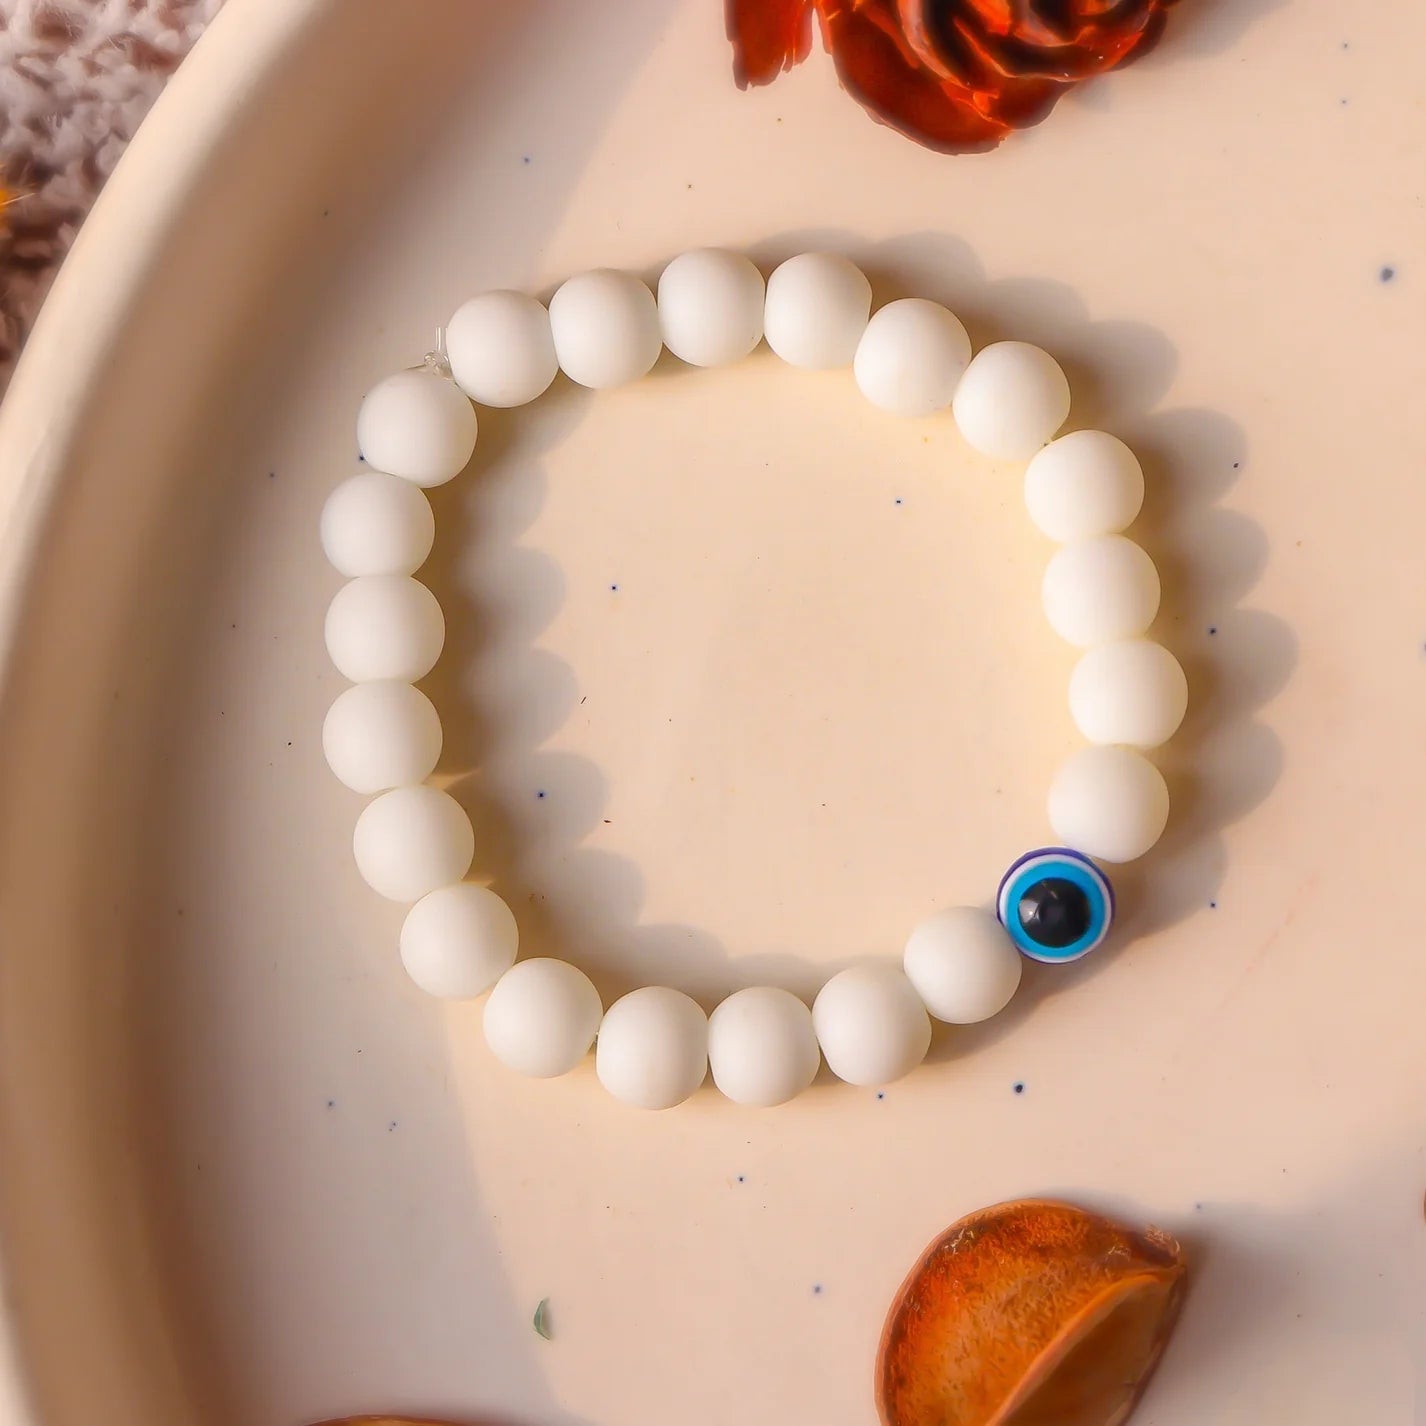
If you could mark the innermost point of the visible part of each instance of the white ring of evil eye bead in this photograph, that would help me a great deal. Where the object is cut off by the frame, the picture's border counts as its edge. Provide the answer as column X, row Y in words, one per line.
column 384, row 630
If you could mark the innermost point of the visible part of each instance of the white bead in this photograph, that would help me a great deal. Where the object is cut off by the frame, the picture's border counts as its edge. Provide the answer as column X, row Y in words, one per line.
column 1109, row 803
column 871, row 1024
column 500, row 348
column 458, row 940
column 541, row 1018
column 911, row 357
column 762, row 1046
column 1133, row 692
column 381, row 735
column 1096, row 591
column 384, row 626
column 1084, row 484
column 653, row 1048
column 1011, row 400
column 606, row 328
column 711, row 306
column 377, row 524
column 411, row 840
column 417, row 425
column 816, row 311
column 963, row 964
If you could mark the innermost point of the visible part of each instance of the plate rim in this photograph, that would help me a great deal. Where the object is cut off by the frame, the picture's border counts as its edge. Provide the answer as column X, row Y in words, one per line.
column 79, row 338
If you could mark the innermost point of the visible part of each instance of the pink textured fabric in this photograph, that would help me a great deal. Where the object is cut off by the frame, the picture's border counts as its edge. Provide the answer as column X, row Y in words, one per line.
column 76, row 77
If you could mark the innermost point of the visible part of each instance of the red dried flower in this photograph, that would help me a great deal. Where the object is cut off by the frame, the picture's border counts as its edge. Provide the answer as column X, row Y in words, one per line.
column 955, row 75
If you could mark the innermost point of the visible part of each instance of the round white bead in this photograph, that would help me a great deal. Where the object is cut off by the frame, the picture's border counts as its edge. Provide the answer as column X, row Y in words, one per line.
column 711, row 306
column 911, row 357
column 1109, row 803
column 458, row 940
column 1096, row 591
column 963, row 964
column 384, row 626
column 816, row 310
column 411, row 840
column 541, row 1018
column 606, row 328
column 376, row 523
column 500, row 348
column 1011, row 400
column 381, row 735
column 417, row 425
column 1133, row 692
column 1084, row 484
column 871, row 1024
column 762, row 1046
column 653, row 1048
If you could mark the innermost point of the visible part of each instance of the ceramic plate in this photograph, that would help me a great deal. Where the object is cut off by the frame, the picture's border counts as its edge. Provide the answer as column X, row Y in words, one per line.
column 743, row 678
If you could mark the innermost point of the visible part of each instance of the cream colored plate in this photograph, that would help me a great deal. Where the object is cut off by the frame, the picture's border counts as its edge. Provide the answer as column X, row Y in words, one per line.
column 250, row 1176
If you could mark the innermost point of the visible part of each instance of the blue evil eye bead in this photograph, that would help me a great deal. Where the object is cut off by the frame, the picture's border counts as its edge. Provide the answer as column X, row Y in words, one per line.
column 1056, row 905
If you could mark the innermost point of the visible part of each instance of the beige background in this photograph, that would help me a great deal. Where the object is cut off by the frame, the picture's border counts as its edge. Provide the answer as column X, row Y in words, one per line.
column 251, row 1176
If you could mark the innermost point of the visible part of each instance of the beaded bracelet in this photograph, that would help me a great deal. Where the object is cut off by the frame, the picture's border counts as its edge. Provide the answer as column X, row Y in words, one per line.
column 384, row 631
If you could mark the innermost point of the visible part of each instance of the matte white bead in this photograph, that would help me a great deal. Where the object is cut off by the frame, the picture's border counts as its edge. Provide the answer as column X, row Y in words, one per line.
column 458, row 940
column 541, row 1018
column 1109, row 803
column 1096, row 591
column 500, row 348
column 606, row 328
column 381, row 735
column 762, row 1046
column 711, row 306
column 376, row 523
column 384, row 626
column 1011, row 400
column 963, row 964
column 1132, row 692
column 911, row 357
column 417, row 425
column 816, row 311
column 653, row 1048
column 1084, row 484
column 411, row 840
column 871, row 1024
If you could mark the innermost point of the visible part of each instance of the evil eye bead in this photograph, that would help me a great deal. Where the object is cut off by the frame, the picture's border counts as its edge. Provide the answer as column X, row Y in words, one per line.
column 1056, row 905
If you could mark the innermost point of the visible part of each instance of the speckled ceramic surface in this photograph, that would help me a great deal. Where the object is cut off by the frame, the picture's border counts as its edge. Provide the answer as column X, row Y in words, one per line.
column 251, row 1176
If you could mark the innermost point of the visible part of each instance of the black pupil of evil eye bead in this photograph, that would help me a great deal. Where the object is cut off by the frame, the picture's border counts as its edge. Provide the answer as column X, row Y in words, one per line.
column 1056, row 905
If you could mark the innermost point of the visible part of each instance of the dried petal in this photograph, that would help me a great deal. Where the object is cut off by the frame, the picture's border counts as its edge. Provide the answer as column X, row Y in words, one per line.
column 955, row 75
column 768, row 37
column 1028, row 1314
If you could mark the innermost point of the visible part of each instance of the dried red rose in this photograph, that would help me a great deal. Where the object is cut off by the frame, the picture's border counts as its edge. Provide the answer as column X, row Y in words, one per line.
column 955, row 75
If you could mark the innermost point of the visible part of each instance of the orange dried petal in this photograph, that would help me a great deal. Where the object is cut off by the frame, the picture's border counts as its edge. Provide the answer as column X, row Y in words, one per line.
column 875, row 72
column 768, row 37
column 1029, row 1314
